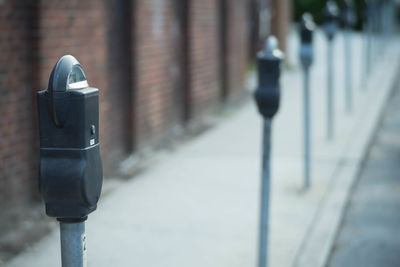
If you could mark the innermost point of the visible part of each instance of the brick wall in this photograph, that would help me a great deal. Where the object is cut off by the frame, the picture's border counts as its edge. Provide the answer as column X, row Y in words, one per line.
column 17, row 133
column 156, row 108
column 237, row 50
column 204, row 77
column 156, row 63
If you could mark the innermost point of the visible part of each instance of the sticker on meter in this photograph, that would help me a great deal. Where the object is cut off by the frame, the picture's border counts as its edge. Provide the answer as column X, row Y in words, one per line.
column 91, row 142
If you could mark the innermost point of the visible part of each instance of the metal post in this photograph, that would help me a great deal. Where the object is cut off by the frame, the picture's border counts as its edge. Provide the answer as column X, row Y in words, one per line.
column 265, row 189
column 382, row 26
column 367, row 33
column 267, row 96
column 330, row 95
column 368, row 37
column 73, row 244
column 348, row 70
column 307, row 123
column 376, row 32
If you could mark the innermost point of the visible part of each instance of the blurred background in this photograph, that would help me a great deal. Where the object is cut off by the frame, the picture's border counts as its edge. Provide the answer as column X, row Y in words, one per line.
column 162, row 67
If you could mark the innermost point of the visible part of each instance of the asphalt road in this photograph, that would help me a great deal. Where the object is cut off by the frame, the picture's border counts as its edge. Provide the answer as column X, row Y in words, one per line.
column 370, row 231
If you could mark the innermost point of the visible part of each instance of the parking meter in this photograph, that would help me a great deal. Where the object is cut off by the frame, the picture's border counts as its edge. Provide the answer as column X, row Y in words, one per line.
column 70, row 173
column 267, row 96
column 331, row 18
column 306, row 54
column 307, row 27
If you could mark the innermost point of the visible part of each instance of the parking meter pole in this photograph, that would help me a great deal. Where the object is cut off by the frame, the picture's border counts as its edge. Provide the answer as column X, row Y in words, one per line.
column 367, row 43
column 267, row 96
column 349, row 21
column 376, row 31
column 73, row 244
column 382, row 25
column 330, row 95
column 386, row 26
column 265, row 193
column 369, row 47
column 348, row 70
column 307, row 126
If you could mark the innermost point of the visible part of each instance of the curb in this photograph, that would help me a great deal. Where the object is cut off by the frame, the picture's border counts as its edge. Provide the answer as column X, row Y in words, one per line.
column 321, row 235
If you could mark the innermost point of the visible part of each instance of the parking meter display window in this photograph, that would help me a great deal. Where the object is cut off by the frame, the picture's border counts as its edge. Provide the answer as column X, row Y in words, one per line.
column 70, row 171
column 267, row 94
column 77, row 78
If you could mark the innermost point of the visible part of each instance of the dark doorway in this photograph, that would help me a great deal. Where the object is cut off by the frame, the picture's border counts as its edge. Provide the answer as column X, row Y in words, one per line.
column 120, row 72
column 182, row 52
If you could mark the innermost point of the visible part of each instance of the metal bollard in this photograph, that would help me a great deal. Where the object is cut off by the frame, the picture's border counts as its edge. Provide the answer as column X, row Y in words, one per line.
column 348, row 22
column 331, row 15
column 70, row 171
column 306, row 57
column 267, row 98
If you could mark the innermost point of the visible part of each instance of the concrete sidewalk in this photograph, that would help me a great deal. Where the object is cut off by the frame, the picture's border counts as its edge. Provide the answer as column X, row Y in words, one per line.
column 198, row 205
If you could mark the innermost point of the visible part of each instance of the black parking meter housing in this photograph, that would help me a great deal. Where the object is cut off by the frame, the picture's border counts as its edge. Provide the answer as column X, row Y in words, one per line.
column 307, row 27
column 267, row 94
column 70, row 171
column 331, row 19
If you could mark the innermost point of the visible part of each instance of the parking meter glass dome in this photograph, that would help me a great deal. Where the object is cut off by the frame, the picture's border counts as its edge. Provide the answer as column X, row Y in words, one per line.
column 77, row 78
column 308, row 21
column 271, row 44
column 67, row 74
column 272, row 48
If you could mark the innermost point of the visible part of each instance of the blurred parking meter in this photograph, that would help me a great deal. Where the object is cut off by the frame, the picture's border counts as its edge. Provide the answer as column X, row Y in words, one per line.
column 331, row 17
column 306, row 58
column 267, row 97
column 70, row 172
column 349, row 20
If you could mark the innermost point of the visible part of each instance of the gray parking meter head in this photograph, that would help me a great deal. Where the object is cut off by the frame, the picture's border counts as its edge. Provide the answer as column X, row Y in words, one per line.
column 331, row 19
column 307, row 27
column 267, row 94
column 70, row 171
